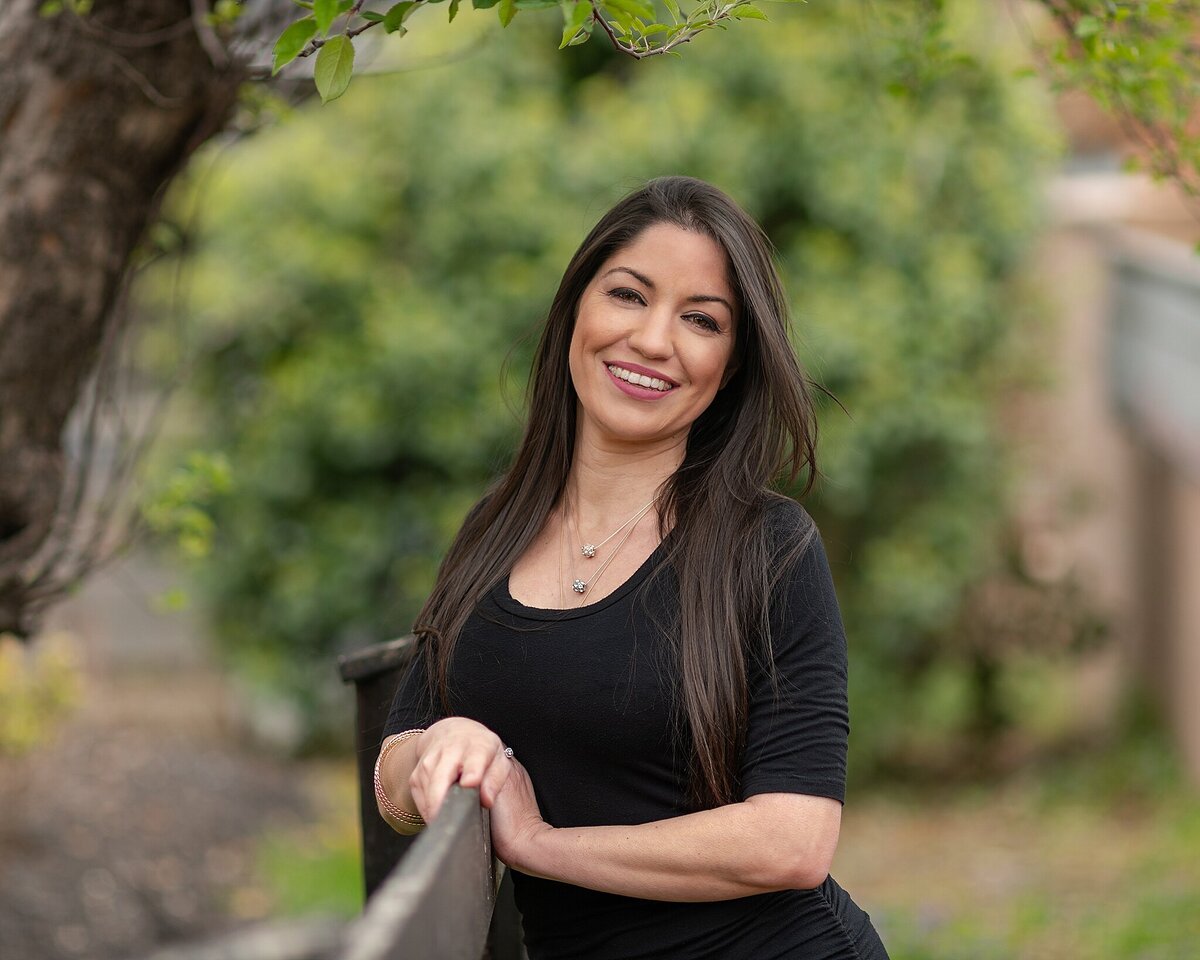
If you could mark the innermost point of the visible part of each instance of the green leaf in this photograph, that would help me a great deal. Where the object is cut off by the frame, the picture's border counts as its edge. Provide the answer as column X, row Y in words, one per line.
column 335, row 64
column 484, row 4
column 1088, row 26
column 575, row 18
column 536, row 4
column 344, row 5
column 324, row 11
column 453, row 10
column 623, row 21
column 673, row 9
column 583, row 36
column 291, row 42
column 394, row 18
column 747, row 12
column 50, row 8
column 372, row 15
column 636, row 8
column 507, row 9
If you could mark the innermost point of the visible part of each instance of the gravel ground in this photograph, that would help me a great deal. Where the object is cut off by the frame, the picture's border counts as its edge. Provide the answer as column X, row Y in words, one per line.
column 132, row 828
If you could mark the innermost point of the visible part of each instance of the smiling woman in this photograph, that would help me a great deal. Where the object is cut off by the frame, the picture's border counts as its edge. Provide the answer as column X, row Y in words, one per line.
column 639, row 334
column 633, row 646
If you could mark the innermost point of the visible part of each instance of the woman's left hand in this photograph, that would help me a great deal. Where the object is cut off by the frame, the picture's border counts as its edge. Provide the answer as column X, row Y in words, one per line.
column 517, row 822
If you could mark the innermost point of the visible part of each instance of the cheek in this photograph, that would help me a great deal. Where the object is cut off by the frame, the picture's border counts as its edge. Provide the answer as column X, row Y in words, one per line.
column 575, row 357
column 711, row 368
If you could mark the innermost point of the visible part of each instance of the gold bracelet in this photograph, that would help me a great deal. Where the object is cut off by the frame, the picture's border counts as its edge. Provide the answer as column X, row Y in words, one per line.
column 381, row 797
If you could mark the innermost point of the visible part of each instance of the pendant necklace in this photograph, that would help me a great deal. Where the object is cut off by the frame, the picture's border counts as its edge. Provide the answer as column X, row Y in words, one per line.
column 578, row 584
column 589, row 549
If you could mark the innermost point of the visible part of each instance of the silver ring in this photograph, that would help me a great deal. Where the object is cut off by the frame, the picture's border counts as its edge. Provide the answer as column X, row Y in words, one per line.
column 508, row 752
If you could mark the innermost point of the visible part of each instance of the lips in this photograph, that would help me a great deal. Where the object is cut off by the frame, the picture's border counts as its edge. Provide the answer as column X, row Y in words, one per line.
column 640, row 376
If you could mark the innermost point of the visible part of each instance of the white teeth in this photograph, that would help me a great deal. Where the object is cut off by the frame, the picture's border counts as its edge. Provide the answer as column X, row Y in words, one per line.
column 641, row 380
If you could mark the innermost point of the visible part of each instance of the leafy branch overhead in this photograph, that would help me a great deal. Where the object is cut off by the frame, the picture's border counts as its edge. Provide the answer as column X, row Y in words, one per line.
column 634, row 27
column 1140, row 59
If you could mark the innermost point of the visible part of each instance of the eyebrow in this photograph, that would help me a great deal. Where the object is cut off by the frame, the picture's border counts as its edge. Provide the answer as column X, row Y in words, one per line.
column 695, row 298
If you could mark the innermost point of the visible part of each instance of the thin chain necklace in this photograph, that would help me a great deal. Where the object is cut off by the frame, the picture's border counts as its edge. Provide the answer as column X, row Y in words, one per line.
column 589, row 549
column 563, row 547
column 578, row 584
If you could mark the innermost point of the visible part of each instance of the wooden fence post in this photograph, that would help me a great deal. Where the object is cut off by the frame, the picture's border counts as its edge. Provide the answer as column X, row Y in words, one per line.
column 375, row 672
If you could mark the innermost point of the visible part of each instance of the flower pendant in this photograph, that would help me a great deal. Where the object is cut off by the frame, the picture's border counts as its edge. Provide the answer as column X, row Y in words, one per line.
column 578, row 586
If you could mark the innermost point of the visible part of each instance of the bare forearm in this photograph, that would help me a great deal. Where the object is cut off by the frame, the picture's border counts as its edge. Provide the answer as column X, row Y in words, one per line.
column 394, row 773
column 731, row 851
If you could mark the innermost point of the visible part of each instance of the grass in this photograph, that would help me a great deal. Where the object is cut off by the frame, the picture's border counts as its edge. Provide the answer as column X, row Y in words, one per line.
column 317, row 868
column 1096, row 858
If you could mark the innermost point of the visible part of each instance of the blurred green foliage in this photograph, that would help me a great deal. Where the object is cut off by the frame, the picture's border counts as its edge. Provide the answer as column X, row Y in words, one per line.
column 360, row 273
column 38, row 688
column 178, row 507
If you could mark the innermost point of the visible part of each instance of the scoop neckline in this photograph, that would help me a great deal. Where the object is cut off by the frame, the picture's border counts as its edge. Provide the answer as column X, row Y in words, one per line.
column 506, row 601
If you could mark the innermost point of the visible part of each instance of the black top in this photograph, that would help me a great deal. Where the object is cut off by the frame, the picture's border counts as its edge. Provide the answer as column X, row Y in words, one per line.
column 584, row 697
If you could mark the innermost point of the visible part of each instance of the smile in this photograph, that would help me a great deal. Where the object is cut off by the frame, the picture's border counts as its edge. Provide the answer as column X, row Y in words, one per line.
column 638, row 379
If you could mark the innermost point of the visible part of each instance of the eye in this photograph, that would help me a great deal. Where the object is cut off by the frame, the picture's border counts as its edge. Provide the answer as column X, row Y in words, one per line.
column 626, row 295
column 705, row 321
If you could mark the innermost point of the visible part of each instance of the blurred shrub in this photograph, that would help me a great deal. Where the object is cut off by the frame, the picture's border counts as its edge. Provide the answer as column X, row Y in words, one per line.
column 37, row 687
column 362, row 270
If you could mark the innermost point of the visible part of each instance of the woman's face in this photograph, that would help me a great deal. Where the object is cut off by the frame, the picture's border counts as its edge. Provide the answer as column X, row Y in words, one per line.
column 653, row 338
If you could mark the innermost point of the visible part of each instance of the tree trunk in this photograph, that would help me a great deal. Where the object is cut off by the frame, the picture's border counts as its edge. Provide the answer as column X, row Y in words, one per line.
column 97, row 114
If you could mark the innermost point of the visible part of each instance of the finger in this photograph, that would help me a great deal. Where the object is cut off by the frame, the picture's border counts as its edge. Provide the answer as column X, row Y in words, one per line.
column 416, row 786
column 475, row 764
column 445, row 774
column 493, row 782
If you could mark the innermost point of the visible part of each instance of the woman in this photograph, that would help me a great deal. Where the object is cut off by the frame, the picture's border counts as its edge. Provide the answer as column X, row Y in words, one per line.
column 633, row 647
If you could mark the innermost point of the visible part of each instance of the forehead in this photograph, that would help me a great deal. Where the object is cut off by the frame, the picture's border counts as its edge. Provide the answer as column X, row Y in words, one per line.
column 668, row 254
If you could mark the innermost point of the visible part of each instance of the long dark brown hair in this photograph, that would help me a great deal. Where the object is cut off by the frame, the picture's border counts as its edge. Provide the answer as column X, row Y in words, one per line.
column 758, row 430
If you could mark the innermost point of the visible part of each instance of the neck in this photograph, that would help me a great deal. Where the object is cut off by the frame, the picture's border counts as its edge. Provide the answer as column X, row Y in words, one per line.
column 611, row 481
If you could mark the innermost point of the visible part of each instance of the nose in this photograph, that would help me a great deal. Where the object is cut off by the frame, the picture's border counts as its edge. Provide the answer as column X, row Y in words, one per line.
column 651, row 335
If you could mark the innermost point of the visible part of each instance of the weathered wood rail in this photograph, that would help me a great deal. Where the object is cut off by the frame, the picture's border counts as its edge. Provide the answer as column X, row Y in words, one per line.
column 438, row 902
column 438, row 895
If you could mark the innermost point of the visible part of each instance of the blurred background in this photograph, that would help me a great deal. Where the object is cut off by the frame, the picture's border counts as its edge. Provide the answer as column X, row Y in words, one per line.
column 337, row 346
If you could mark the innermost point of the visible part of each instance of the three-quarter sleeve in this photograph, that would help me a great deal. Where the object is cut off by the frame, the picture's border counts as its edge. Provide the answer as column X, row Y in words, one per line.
column 412, row 705
column 798, row 743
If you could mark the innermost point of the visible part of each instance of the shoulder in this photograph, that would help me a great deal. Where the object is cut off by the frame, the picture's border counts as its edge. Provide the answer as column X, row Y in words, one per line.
column 783, row 514
column 790, row 529
column 799, row 572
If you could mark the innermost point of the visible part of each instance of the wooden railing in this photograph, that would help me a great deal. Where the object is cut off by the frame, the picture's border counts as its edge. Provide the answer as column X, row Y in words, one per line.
column 441, row 894
column 438, row 895
column 438, row 902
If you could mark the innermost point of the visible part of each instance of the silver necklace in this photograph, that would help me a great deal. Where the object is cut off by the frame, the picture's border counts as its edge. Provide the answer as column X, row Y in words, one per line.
column 589, row 549
column 578, row 584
